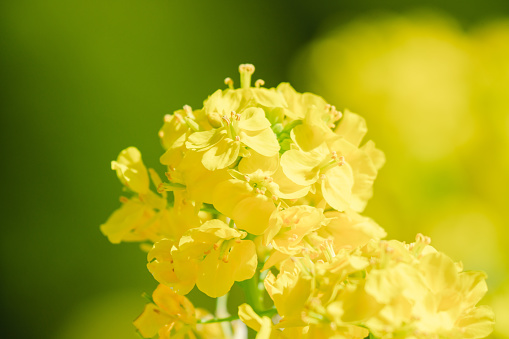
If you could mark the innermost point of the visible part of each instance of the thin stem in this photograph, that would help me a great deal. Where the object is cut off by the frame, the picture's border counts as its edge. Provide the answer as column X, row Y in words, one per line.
column 219, row 320
column 222, row 312
column 254, row 296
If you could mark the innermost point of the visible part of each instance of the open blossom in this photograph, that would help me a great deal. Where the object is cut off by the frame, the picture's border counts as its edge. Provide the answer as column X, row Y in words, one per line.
column 174, row 316
column 262, row 191
column 203, row 254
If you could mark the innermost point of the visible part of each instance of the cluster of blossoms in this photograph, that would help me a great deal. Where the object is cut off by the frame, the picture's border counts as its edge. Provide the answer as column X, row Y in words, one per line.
column 263, row 189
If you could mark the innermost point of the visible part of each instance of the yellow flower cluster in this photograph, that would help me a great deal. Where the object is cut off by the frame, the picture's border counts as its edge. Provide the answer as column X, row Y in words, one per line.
column 267, row 184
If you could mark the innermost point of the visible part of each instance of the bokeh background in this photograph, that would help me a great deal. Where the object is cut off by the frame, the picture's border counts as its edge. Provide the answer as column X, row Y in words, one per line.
column 81, row 80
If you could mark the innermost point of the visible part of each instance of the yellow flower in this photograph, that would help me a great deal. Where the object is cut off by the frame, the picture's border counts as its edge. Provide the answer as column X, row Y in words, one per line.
column 291, row 288
column 214, row 250
column 223, row 145
column 173, row 316
column 123, row 223
column 262, row 325
column 343, row 172
column 239, row 121
column 253, row 193
column 248, row 207
column 142, row 217
column 287, row 228
column 162, row 266
column 350, row 229
column 131, row 171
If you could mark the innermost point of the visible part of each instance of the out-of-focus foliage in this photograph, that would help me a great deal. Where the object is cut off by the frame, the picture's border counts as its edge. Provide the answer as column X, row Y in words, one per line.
column 436, row 97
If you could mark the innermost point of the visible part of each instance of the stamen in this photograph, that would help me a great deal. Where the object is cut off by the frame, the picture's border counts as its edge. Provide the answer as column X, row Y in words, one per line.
column 160, row 188
column 188, row 110
column 167, row 117
column 161, row 134
column 227, row 120
column 246, row 177
column 323, row 177
column 207, row 252
column 422, row 239
column 237, row 138
column 179, row 117
column 228, row 81
column 274, row 197
column 259, row 83
column 123, row 200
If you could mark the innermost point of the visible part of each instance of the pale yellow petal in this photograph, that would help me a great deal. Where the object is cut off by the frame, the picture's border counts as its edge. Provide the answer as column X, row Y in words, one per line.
column 150, row 321
column 352, row 127
column 228, row 193
column 252, row 213
column 337, row 187
column 263, row 141
column 253, row 119
column 221, row 155
column 301, row 167
column 131, row 171
column 259, row 162
column 200, row 141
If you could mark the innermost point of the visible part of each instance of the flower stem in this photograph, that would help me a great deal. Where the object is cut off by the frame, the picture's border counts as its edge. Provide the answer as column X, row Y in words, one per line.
column 222, row 313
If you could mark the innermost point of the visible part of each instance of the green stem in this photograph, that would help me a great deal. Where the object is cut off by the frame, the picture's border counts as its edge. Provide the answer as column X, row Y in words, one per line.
column 222, row 313
column 218, row 320
column 254, row 296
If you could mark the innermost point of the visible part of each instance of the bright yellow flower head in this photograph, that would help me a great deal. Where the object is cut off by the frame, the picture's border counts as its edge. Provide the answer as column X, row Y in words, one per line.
column 263, row 190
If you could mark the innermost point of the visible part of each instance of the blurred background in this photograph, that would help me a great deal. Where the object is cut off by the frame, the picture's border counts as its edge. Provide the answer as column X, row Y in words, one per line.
column 82, row 80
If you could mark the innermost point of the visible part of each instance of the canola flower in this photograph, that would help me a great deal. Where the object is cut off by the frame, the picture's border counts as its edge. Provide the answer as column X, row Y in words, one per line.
column 264, row 190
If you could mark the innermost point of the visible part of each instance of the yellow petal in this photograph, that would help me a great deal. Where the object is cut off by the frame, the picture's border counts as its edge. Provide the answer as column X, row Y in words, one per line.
column 150, row 321
column 262, row 141
column 131, row 171
column 221, row 155
column 250, row 317
column 301, row 167
column 286, row 188
column 131, row 215
column 240, row 265
column 252, row 213
column 337, row 187
column 352, row 127
column 259, row 162
column 228, row 193
column 200, row 141
column 253, row 119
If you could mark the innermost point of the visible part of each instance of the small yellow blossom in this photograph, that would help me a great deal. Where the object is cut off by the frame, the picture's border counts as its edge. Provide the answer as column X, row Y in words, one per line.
column 131, row 171
column 214, row 250
column 173, row 316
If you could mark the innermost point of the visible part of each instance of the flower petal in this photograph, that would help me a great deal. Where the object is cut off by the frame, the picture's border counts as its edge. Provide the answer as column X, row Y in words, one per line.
column 263, row 141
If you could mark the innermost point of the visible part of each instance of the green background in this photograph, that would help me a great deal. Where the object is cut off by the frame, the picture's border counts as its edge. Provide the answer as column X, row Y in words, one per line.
column 82, row 80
